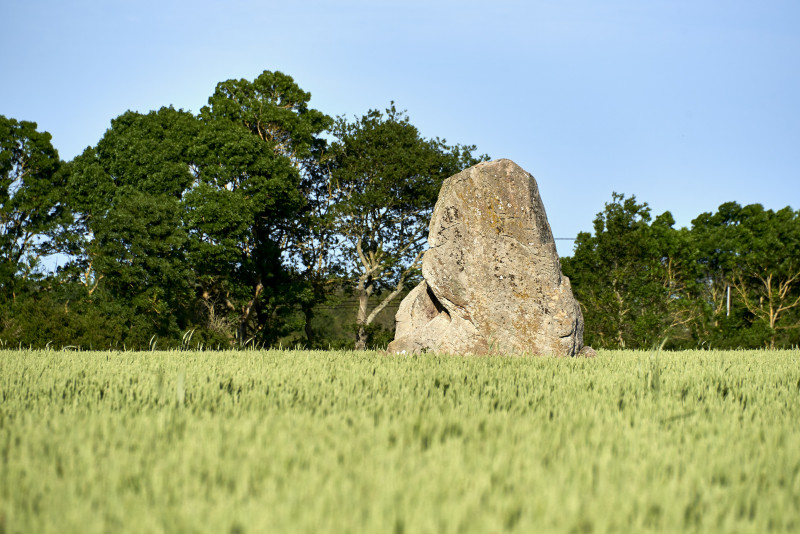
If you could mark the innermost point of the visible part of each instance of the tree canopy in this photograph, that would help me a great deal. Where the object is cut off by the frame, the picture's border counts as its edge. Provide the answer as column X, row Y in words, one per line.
column 31, row 201
column 384, row 181
column 731, row 280
column 263, row 221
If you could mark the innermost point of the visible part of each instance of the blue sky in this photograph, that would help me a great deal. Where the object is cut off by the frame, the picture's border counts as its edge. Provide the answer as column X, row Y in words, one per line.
column 685, row 104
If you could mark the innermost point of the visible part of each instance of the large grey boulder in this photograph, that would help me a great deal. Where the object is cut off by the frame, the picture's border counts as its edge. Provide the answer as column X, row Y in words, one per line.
column 492, row 279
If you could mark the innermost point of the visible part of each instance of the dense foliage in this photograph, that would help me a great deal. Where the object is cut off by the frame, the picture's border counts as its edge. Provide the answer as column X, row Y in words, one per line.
column 251, row 441
column 731, row 280
column 231, row 227
column 385, row 179
column 262, row 221
column 31, row 201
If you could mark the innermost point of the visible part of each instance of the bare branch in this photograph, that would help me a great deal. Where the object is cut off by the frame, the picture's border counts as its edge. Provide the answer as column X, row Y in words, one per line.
column 397, row 290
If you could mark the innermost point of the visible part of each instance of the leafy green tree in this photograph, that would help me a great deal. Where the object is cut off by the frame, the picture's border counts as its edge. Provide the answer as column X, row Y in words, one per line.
column 32, row 185
column 246, row 209
column 273, row 108
column 239, row 211
column 130, row 239
column 313, row 254
column 634, row 279
column 680, row 306
column 756, row 252
column 384, row 181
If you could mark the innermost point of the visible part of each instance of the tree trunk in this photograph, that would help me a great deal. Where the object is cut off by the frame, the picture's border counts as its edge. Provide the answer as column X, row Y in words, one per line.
column 361, row 320
column 308, row 312
column 365, row 288
column 621, row 312
column 247, row 312
column 361, row 338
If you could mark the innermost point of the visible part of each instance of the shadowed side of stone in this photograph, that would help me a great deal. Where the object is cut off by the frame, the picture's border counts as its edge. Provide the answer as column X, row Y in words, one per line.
column 492, row 278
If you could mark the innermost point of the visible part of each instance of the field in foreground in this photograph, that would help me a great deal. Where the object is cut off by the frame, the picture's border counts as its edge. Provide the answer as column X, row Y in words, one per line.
column 292, row 441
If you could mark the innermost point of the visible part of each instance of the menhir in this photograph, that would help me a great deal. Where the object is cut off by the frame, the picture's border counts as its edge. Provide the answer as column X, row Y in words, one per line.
column 492, row 279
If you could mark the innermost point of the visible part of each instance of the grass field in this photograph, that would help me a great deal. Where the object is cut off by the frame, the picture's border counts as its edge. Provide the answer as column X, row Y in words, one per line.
column 293, row 441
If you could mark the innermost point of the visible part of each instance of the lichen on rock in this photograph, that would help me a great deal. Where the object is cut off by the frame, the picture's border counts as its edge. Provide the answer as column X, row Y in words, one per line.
column 492, row 280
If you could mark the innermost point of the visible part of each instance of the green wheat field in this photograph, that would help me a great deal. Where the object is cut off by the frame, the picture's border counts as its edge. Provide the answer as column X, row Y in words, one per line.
column 303, row 441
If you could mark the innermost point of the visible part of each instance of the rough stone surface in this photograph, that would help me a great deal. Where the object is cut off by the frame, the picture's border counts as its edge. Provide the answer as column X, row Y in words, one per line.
column 492, row 278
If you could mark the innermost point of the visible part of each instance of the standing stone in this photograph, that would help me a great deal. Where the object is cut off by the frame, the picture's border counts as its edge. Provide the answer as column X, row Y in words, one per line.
column 492, row 279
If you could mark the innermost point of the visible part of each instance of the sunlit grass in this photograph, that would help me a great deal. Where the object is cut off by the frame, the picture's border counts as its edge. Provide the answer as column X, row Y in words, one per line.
column 301, row 441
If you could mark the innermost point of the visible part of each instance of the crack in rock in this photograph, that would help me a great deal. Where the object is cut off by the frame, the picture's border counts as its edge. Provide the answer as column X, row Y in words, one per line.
column 483, row 283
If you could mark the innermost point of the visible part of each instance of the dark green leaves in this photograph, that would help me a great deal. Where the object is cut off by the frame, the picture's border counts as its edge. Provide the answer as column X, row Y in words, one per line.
column 756, row 252
column 732, row 280
column 632, row 277
column 274, row 109
column 31, row 200
column 385, row 179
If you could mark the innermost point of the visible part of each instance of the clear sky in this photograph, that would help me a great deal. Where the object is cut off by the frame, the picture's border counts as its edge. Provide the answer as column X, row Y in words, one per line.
column 685, row 104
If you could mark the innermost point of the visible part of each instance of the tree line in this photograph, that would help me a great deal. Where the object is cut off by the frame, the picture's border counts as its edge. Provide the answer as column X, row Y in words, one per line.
column 261, row 221
column 731, row 280
column 231, row 227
